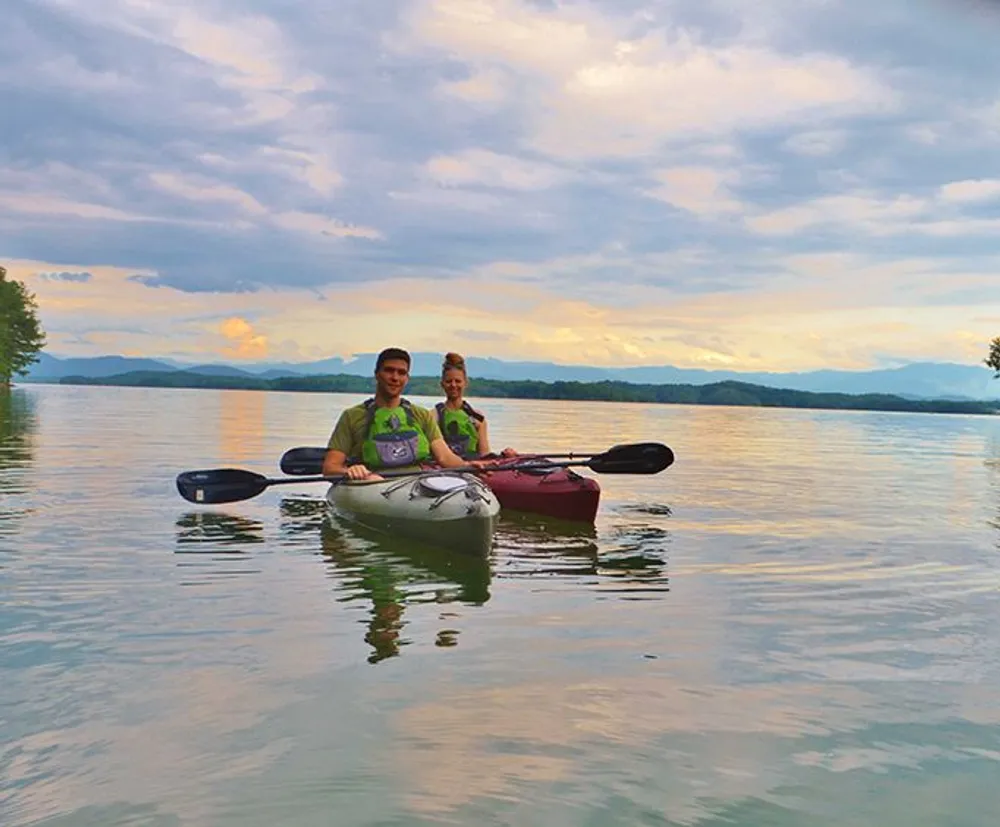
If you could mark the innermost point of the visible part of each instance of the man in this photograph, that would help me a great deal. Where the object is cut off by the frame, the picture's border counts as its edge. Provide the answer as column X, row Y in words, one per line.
column 387, row 431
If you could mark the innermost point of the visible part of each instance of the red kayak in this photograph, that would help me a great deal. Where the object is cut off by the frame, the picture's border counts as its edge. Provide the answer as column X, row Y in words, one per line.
column 553, row 492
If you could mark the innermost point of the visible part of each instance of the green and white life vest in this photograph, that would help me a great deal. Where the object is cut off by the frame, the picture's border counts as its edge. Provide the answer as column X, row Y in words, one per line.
column 458, row 427
column 392, row 437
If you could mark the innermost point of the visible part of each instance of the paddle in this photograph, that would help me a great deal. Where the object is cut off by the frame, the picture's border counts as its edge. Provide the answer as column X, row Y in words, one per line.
column 226, row 485
column 309, row 459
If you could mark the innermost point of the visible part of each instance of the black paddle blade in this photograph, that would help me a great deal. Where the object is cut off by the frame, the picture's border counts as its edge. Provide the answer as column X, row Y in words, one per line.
column 301, row 462
column 222, row 485
column 637, row 458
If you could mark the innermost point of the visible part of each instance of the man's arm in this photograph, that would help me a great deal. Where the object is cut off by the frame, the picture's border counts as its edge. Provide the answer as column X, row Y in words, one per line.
column 335, row 462
column 339, row 448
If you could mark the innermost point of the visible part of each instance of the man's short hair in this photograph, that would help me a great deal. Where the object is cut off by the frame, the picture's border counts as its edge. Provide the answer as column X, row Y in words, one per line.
column 392, row 353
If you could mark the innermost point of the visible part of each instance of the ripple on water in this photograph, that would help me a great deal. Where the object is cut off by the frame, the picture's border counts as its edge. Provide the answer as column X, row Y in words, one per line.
column 213, row 545
column 626, row 558
column 862, row 619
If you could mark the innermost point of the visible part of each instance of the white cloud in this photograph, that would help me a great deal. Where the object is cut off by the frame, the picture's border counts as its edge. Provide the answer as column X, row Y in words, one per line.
column 249, row 51
column 323, row 225
column 928, row 133
column 48, row 206
column 482, row 87
column 595, row 91
column 249, row 55
column 315, row 168
column 490, row 169
column 206, row 191
column 880, row 215
column 700, row 190
column 868, row 211
column 971, row 191
column 294, row 220
column 447, row 199
column 817, row 143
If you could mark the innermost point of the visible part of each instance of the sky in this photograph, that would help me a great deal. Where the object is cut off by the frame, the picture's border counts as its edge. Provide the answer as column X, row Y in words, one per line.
column 776, row 185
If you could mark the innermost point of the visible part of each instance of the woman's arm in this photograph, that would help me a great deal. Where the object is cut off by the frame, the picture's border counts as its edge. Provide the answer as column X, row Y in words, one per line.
column 484, row 437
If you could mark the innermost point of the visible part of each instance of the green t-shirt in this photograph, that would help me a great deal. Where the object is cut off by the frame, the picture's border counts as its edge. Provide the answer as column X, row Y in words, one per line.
column 349, row 433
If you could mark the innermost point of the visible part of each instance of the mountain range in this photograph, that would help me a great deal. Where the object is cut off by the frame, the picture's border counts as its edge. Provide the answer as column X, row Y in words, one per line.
column 918, row 380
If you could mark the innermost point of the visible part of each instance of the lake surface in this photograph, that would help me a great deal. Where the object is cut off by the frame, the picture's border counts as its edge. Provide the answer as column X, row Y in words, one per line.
column 796, row 624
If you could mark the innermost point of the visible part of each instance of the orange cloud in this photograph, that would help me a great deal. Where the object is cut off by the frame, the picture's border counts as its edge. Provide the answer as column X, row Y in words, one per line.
column 246, row 343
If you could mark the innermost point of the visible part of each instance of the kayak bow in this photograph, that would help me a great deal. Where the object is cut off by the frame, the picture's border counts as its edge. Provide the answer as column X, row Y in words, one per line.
column 439, row 508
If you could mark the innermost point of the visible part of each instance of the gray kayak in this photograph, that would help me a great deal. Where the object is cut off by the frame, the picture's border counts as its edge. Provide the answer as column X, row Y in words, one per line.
column 440, row 508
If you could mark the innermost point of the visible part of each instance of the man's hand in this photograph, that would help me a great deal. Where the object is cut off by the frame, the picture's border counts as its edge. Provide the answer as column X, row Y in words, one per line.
column 360, row 472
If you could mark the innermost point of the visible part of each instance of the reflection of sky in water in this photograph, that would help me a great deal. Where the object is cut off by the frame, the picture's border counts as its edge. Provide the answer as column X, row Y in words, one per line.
column 794, row 625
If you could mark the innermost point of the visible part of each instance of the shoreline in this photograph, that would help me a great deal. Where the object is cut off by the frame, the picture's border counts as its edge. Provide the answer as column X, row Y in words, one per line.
column 724, row 393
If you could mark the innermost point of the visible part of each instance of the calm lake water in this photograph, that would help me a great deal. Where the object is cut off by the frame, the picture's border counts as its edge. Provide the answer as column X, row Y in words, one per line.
column 796, row 624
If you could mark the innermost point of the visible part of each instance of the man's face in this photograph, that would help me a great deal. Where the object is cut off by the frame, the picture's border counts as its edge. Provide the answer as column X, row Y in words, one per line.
column 392, row 377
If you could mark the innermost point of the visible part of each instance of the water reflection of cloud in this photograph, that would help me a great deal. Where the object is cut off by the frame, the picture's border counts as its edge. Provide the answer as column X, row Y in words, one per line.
column 716, row 747
column 242, row 425
column 151, row 745
column 492, row 742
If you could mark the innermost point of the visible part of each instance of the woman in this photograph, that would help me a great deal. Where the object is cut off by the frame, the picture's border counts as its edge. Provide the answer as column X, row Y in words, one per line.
column 462, row 426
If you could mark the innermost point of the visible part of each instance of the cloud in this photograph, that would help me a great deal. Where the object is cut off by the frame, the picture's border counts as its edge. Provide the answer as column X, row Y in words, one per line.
column 595, row 87
column 246, row 343
column 938, row 213
column 816, row 142
column 480, row 88
column 700, row 190
column 66, row 276
column 208, row 191
column 490, row 169
column 972, row 191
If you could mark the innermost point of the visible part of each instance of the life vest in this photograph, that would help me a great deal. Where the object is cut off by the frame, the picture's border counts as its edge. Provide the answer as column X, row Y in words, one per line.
column 458, row 427
column 392, row 438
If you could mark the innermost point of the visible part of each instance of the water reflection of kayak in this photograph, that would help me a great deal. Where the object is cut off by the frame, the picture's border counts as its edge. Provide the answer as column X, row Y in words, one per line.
column 395, row 572
column 461, row 577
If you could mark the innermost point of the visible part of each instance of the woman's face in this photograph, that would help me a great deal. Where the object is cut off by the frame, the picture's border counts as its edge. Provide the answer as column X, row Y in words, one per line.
column 453, row 383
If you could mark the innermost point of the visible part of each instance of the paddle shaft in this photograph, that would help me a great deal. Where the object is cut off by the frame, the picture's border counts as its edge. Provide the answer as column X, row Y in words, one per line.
column 308, row 459
column 460, row 469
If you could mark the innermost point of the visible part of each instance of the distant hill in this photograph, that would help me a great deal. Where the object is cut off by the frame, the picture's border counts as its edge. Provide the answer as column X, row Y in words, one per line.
column 919, row 380
column 51, row 367
column 214, row 370
column 716, row 393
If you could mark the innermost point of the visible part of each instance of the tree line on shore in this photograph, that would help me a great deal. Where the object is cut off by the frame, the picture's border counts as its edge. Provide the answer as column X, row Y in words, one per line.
column 717, row 393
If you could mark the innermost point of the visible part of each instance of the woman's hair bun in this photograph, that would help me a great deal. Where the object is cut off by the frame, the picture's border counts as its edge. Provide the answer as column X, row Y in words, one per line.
column 454, row 360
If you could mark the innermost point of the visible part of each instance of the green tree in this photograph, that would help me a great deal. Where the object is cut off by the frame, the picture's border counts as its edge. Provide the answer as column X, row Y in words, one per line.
column 21, row 334
column 993, row 360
